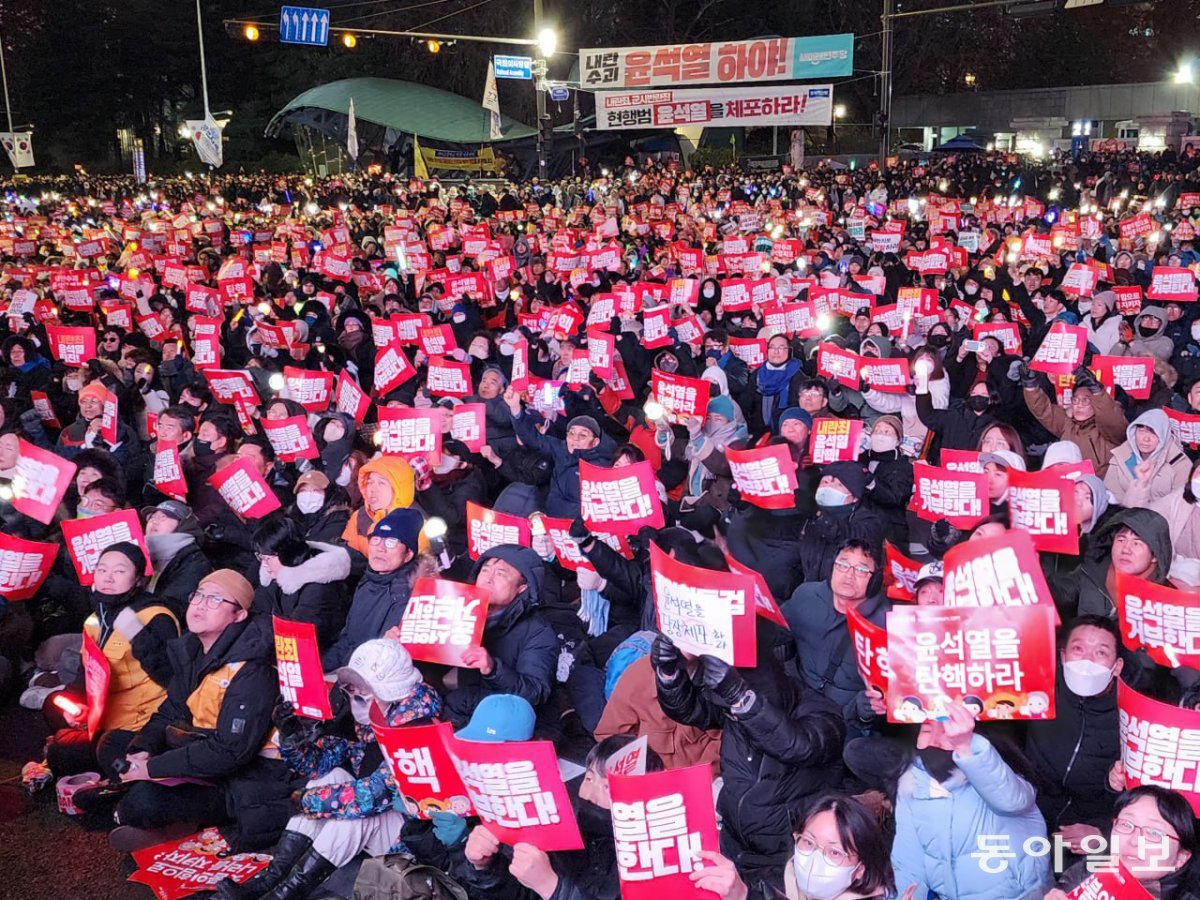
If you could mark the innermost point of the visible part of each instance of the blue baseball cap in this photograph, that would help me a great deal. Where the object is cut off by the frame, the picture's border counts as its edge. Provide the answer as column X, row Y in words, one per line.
column 500, row 718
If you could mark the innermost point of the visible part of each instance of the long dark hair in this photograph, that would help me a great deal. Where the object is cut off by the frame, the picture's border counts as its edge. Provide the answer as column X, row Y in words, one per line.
column 860, row 833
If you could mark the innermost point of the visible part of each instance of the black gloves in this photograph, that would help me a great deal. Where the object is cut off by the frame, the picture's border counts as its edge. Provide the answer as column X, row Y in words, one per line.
column 722, row 681
column 293, row 730
column 1028, row 376
column 578, row 530
column 1085, row 380
column 665, row 659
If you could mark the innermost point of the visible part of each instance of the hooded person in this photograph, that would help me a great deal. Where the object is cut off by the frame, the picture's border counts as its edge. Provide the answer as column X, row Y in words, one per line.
column 132, row 629
column 1149, row 338
column 350, row 803
column 519, row 651
column 1103, row 323
column 1150, row 464
column 1133, row 542
column 386, row 483
column 709, row 477
column 842, row 513
column 891, row 482
column 173, row 537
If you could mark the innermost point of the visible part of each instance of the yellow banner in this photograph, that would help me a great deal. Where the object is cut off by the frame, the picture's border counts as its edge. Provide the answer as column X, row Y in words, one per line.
column 483, row 160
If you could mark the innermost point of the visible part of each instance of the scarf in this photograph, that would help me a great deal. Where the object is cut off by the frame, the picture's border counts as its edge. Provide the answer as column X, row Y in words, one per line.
column 773, row 380
column 593, row 610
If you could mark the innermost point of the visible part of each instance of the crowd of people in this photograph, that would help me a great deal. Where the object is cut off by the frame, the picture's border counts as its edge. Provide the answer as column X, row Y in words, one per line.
column 817, row 794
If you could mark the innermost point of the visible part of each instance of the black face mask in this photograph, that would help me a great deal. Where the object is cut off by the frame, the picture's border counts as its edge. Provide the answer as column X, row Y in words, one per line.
column 594, row 821
column 938, row 340
column 202, row 448
column 1147, row 331
column 977, row 403
column 937, row 762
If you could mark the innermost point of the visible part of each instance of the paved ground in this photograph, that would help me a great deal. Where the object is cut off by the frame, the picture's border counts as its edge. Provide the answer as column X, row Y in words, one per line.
column 45, row 855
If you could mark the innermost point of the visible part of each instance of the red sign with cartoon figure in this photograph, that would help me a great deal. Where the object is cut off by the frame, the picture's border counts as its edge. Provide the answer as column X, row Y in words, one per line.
column 422, row 768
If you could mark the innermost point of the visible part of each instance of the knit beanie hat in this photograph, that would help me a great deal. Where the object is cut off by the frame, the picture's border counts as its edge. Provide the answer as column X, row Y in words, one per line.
column 233, row 584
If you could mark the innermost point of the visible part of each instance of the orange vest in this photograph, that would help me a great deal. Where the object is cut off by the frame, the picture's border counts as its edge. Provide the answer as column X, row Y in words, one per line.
column 205, row 703
column 133, row 695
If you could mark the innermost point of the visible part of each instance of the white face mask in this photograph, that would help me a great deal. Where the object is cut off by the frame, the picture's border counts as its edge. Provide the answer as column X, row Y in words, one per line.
column 884, row 443
column 817, row 878
column 831, row 496
column 1086, row 678
column 709, row 291
column 343, row 478
column 360, row 708
column 308, row 502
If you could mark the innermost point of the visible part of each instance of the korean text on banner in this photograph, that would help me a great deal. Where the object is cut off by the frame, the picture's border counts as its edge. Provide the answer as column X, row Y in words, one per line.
column 765, row 476
column 959, row 497
column 442, row 619
column 1160, row 620
column 421, row 767
column 301, row 678
column 661, row 822
column 487, row 528
column 517, row 791
column 705, row 612
column 24, row 565
column 41, row 481
column 619, row 500
column 870, row 650
column 96, row 675
column 1000, row 662
column 189, row 865
column 996, row 571
column 1159, row 744
column 87, row 539
column 715, row 107
column 1042, row 504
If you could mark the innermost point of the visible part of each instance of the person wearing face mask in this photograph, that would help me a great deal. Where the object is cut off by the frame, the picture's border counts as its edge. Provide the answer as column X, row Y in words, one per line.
column 958, row 788
column 962, row 423
column 841, row 853
column 1103, row 322
column 1073, row 752
column 320, row 509
column 132, row 630
column 447, row 487
column 891, row 472
column 350, row 803
column 843, row 513
column 300, row 580
column 1150, row 464
column 1148, row 338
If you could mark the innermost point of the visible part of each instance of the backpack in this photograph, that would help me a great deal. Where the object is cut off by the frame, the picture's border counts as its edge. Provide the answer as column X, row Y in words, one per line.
column 400, row 877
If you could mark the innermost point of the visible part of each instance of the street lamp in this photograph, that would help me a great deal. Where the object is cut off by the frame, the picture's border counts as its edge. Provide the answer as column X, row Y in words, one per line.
column 1185, row 75
column 349, row 41
column 839, row 111
column 547, row 41
column 250, row 32
column 969, row 79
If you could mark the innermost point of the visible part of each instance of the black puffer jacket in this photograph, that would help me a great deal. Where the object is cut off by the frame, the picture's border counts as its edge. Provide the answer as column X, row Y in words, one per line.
column 314, row 590
column 1072, row 754
column 378, row 604
column 783, row 750
column 956, row 428
column 177, row 576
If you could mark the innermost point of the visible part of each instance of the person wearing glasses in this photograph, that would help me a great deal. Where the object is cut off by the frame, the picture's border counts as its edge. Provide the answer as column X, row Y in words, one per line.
column 1153, row 834
column 213, row 731
column 816, row 615
column 1094, row 421
column 841, row 853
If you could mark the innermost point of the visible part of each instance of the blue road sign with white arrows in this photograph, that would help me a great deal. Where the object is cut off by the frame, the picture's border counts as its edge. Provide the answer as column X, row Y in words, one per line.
column 514, row 67
column 304, row 25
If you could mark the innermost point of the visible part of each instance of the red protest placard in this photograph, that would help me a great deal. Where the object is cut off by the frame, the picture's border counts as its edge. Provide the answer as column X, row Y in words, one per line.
column 1160, row 620
column 290, row 438
column 232, row 386
column 206, row 343
column 661, row 822
column 298, row 661
column 423, row 770
column 108, row 418
column 468, row 424
column 1129, row 299
column 181, row 868
column 520, row 366
column 1062, row 350
column 1186, row 426
column 888, row 376
column 835, row 440
column 1007, row 333
column 1043, row 505
column 1172, row 285
column 312, row 390
column 41, row 481
column 601, row 349
column 96, row 675
column 1157, row 744
column 517, row 791
column 764, row 602
column 392, row 369
column 168, row 470
column 436, row 340
column 996, row 571
column 1110, row 884
column 443, row 618
column 751, row 351
column 87, row 538
column 704, row 611
column 352, row 399
column 45, row 409
column 681, row 397
column 1080, row 280
column 765, row 476
column 959, row 497
column 447, row 378
column 71, row 345
column 247, row 494
column 619, row 500
column 487, row 528
column 870, row 650
column 899, row 574
column 961, row 460
column 1004, row 658
column 410, row 432
column 1134, row 374
column 24, row 565
column 834, row 362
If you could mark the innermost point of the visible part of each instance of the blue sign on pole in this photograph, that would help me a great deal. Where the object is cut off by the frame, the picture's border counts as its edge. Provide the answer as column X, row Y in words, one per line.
column 559, row 94
column 304, row 25
column 514, row 67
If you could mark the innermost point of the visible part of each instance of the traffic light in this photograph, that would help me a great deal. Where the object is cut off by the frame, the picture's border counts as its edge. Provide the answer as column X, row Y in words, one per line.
column 349, row 41
column 546, row 129
column 434, row 47
column 250, row 33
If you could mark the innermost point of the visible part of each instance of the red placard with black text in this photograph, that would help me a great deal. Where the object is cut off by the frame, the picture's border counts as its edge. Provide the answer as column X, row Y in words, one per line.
column 661, row 822
column 703, row 611
column 442, row 619
column 619, row 500
column 1004, row 658
column 764, row 476
column 298, row 664
column 247, row 494
column 86, row 539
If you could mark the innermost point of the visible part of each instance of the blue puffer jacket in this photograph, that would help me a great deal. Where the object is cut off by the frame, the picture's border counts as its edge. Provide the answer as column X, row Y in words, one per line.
column 938, row 827
column 563, row 498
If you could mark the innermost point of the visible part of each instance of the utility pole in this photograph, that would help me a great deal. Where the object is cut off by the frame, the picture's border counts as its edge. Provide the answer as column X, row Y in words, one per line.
column 203, row 69
column 539, row 85
column 885, row 85
column 4, row 79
